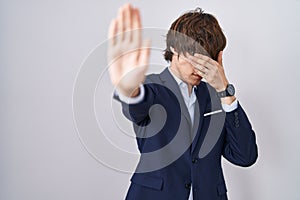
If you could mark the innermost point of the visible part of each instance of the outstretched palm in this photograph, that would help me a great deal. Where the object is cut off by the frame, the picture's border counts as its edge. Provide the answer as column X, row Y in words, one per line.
column 128, row 53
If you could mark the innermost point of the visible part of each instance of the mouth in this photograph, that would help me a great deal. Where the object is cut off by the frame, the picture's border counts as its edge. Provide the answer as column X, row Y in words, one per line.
column 196, row 76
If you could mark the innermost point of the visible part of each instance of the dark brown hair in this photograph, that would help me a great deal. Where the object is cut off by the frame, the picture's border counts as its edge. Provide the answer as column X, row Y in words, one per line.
column 195, row 32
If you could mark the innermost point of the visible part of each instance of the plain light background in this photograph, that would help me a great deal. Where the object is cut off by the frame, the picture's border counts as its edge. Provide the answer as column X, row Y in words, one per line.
column 43, row 44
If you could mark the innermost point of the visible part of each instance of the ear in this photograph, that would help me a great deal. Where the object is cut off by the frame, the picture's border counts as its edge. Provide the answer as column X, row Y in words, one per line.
column 220, row 58
column 173, row 51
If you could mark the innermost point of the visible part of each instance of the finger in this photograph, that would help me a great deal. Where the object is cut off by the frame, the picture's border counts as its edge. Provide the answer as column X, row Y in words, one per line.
column 137, row 19
column 191, row 59
column 188, row 57
column 205, row 61
column 202, row 69
column 137, row 25
column 220, row 58
column 127, row 17
column 120, row 23
column 196, row 62
column 203, row 57
column 112, row 32
column 144, row 54
column 128, row 22
column 200, row 73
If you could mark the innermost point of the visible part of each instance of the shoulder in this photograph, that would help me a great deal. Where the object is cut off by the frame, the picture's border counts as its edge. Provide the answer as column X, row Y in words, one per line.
column 154, row 78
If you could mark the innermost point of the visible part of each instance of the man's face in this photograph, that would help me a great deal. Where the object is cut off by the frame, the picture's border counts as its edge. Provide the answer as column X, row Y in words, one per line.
column 185, row 70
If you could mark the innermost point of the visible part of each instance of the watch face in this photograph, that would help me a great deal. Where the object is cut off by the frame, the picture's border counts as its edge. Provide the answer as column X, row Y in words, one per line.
column 230, row 90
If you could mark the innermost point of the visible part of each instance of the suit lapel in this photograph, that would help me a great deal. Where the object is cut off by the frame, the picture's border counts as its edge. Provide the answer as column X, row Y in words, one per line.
column 202, row 105
column 169, row 82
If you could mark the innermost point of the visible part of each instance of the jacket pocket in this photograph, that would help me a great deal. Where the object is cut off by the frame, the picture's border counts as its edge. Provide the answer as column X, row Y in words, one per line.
column 148, row 181
column 221, row 189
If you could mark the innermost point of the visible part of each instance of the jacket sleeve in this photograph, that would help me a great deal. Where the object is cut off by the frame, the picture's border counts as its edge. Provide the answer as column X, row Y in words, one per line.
column 240, row 142
column 139, row 111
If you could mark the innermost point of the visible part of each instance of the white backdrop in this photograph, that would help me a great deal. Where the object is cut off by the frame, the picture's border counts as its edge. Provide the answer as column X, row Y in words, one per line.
column 43, row 44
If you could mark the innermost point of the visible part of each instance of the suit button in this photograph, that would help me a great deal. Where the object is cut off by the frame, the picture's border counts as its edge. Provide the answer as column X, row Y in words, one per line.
column 188, row 186
column 236, row 123
column 195, row 160
column 236, row 114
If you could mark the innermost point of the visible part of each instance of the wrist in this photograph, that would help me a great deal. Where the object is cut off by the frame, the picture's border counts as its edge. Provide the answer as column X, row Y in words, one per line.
column 228, row 100
column 129, row 93
column 222, row 87
column 228, row 92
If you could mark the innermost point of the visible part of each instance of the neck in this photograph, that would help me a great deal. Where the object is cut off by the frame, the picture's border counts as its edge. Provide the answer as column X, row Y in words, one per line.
column 190, row 87
column 177, row 74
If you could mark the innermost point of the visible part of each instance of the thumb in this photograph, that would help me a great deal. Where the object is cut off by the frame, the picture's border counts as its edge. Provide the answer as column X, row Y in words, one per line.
column 220, row 58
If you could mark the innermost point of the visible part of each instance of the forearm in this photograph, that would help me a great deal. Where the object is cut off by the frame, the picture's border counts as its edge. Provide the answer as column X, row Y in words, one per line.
column 137, row 108
column 240, row 142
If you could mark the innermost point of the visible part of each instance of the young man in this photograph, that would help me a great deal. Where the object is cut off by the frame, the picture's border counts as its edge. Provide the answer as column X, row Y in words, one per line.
column 202, row 121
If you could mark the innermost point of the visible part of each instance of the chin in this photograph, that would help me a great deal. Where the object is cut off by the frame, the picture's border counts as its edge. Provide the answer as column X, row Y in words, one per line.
column 194, row 79
column 196, row 82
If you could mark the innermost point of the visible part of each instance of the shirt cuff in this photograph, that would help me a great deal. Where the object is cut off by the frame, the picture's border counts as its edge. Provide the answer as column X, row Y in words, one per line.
column 231, row 107
column 132, row 100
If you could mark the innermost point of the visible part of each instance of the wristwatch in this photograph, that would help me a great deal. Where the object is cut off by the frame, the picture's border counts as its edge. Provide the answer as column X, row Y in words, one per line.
column 229, row 91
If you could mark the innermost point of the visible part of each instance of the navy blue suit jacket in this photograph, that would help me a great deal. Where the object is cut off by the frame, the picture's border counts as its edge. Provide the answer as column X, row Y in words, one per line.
column 175, row 153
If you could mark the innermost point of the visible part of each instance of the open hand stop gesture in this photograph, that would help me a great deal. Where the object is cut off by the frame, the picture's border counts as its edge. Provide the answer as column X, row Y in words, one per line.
column 128, row 53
